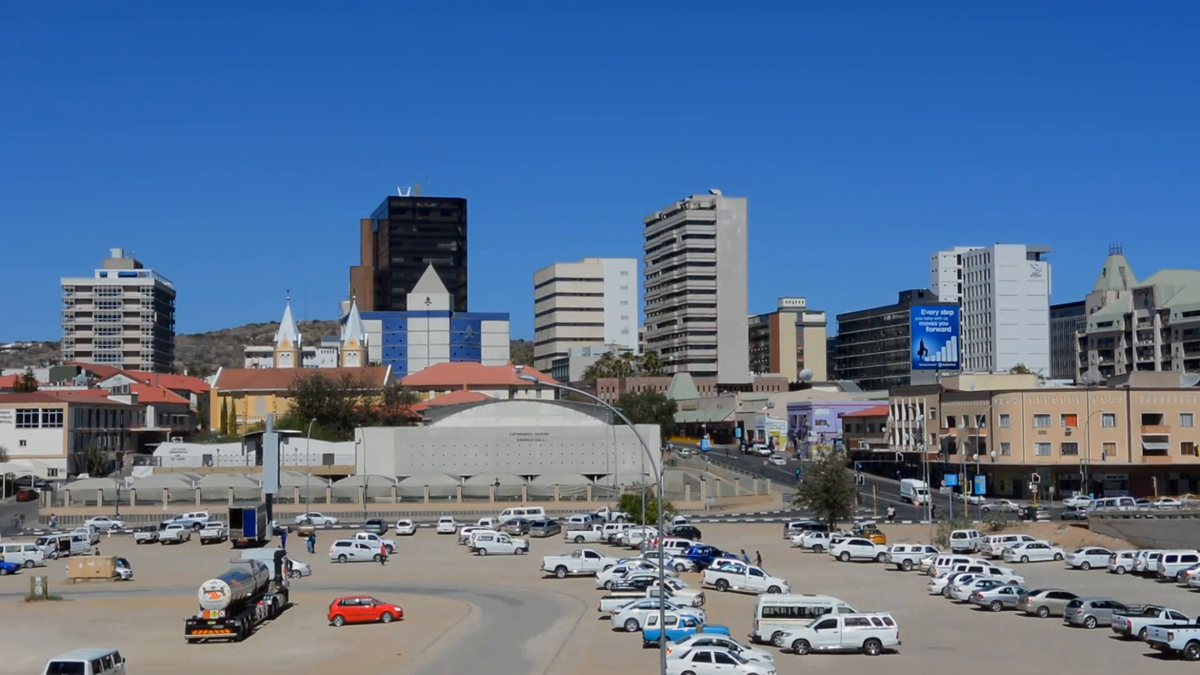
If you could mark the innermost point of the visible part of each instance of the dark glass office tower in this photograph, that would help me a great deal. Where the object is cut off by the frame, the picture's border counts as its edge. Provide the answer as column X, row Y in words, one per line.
column 400, row 240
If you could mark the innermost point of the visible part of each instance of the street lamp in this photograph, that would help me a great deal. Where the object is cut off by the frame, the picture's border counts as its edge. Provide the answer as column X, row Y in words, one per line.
column 366, row 476
column 308, row 463
column 662, row 582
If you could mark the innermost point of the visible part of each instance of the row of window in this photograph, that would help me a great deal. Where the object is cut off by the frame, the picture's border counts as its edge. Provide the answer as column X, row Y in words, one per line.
column 1045, row 420
column 34, row 418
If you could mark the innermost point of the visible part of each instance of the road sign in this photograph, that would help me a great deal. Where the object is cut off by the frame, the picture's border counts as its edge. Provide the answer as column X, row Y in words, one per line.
column 951, row 479
column 981, row 485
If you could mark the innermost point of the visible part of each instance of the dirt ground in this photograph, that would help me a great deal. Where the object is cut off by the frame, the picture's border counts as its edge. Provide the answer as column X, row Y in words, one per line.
column 451, row 599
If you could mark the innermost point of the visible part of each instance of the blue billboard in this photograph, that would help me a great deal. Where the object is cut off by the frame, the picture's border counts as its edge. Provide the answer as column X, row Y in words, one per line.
column 935, row 339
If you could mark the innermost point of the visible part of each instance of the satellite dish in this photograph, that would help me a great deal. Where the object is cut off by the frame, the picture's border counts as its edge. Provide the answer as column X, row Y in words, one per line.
column 1187, row 380
column 1091, row 378
column 806, row 375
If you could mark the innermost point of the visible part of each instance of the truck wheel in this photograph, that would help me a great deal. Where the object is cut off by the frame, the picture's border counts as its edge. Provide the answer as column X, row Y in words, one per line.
column 560, row 572
column 774, row 590
column 386, row 618
column 1143, row 633
column 631, row 626
column 906, row 565
column 881, row 557
column 873, row 647
column 817, row 548
column 1191, row 652
column 800, row 647
column 339, row 621
column 342, row 558
column 196, row 527
column 578, row 539
column 722, row 585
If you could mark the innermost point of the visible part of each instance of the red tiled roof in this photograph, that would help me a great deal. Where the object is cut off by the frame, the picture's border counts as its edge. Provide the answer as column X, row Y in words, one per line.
column 98, row 369
column 8, row 381
column 148, row 393
column 170, row 381
column 91, row 396
column 281, row 379
column 454, row 397
column 873, row 411
column 468, row 375
column 32, row 397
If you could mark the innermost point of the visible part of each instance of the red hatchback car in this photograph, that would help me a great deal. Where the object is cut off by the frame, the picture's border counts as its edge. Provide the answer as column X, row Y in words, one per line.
column 362, row 609
column 27, row 495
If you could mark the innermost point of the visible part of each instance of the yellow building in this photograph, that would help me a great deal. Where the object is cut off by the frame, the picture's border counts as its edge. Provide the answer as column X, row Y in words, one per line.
column 250, row 394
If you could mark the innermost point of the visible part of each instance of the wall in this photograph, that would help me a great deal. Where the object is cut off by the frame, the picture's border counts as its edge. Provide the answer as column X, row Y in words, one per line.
column 733, row 337
column 621, row 302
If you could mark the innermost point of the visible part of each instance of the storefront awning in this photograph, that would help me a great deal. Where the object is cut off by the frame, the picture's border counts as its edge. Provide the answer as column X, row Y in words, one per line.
column 1160, row 446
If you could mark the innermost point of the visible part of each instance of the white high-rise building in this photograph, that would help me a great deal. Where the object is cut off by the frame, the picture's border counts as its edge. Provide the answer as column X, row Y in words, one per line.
column 590, row 303
column 697, row 316
column 1004, row 294
column 123, row 315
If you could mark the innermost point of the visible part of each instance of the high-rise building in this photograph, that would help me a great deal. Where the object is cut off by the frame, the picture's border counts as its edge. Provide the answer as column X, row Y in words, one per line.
column 123, row 315
column 1067, row 321
column 789, row 341
column 695, row 287
column 403, row 237
column 1004, row 291
column 590, row 303
column 874, row 346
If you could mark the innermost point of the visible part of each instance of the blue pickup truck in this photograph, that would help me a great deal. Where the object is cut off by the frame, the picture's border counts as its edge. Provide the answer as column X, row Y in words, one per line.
column 703, row 555
column 679, row 624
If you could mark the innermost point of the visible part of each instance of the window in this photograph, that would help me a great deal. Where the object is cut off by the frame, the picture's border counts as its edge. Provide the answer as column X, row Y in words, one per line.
column 22, row 443
column 1005, row 449
column 1188, row 449
column 1068, row 420
column 1068, row 449
column 51, row 473
column 802, row 612
column 1109, row 450
column 1041, row 449
column 1004, row 420
column 1108, row 420
column 981, row 421
column 1186, row 420
column 951, row 423
column 1041, row 421
column 52, row 418
column 27, row 418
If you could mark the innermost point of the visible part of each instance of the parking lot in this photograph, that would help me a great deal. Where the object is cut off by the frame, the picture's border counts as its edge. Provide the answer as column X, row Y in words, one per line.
column 465, row 613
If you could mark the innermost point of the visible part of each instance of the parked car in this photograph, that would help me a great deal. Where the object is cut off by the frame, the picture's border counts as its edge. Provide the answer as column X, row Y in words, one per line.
column 1135, row 622
column 962, row 541
column 1182, row 640
column 1077, row 502
column 631, row 616
column 738, row 576
column 858, row 548
column 447, row 525
column 316, row 518
column 1045, row 602
column 376, row 526
column 1122, row 561
column 908, row 556
column 1032, row 551
column 516, row 526
column 214, row 532
column 352, row 550
column 998, row 598
column 1091, row 612
column 7, row 568
column 687, row 532
column 870, row 634
column 1001, row 505
column 961, row 591
column 711, row 661
column 363, row 609
column 147, row 534
column 405, row 527
column 376, row 541
column 582, row 561
column 88, row 533
column 1166, row 504
column 104, row 523
column 1171, row 564
column 1074, row 513
column 298, row 569
column 1087, row 557
column 544, row 528
column 488, row 544
column 704, row 639
column 676, row 625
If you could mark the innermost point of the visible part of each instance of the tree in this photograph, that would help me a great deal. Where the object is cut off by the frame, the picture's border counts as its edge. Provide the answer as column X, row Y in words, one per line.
column 827, row 489
column 3, row 456
column 631, row 503
column 91, row 460
column 1020, row 369
column 520, row 352
column 624, row 364
column 224, row 416
column 649, row 407
column 342, row 404
column 232, row 429
column 25, row 383
column 650, row 365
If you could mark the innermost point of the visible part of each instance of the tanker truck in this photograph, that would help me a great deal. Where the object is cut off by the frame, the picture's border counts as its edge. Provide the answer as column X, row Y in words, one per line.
column 233, row 605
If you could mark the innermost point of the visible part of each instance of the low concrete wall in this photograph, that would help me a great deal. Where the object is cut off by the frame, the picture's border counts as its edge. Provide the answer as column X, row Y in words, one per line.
column 1161, row 529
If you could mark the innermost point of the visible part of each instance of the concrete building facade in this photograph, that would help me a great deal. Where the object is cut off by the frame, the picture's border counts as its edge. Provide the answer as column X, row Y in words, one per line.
column 589, row 303
column 788, row 341
column 696, row 287
column 123, row 315
column 45, row 433
column 1067, row 321
column 874, row 346
column 946, row 273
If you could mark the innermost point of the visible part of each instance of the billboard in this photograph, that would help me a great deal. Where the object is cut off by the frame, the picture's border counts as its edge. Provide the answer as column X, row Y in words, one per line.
column 935, row 339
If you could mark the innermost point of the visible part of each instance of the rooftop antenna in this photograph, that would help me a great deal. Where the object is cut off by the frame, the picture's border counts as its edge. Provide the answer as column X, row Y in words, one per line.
column 405, row 192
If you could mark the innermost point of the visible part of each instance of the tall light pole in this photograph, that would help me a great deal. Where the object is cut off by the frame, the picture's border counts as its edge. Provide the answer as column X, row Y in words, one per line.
column 662, row 582
column 308, row 462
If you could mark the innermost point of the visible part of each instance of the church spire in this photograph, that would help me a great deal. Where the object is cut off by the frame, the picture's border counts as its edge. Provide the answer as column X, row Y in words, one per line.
column 288, row 335
column 354, row 338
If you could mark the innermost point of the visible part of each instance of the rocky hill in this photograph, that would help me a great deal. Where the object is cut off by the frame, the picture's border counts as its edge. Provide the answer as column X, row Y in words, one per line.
column 202, row 353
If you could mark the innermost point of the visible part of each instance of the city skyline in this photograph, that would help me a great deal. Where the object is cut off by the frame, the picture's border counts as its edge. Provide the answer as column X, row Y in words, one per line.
column 904, row 152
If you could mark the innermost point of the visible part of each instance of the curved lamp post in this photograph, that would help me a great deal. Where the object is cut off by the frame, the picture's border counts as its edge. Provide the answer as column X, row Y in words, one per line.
column 662, row 628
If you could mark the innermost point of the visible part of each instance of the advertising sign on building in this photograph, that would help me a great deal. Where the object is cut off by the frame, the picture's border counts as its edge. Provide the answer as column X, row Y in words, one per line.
column 935, row 339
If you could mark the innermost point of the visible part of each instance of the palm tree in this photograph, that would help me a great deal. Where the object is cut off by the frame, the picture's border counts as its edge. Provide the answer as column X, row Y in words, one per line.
column 650, row 365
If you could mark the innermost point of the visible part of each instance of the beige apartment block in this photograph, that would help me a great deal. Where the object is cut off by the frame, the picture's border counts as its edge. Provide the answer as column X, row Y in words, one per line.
column 589, row 303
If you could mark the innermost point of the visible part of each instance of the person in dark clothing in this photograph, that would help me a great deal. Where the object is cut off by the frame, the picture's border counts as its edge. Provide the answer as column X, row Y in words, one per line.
column 758, row 558
column 283, row 539
column 745, row 558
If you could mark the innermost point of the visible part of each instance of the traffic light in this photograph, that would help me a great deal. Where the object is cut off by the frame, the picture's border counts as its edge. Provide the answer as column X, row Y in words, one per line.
column 858, row 466
column 860, row 479
column 1035, row 478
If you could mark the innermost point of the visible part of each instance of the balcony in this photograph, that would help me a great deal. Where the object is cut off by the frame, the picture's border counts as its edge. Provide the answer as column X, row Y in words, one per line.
column 1158, row 459
column 1156, row 429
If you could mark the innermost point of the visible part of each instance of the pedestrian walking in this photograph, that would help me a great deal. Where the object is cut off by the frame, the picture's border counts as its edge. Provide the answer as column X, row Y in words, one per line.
column 312, row 542
column 758, row 558
column 933, row 511
column 283, row 539
column 383, row 556
column 891, row 514
column 745, row 558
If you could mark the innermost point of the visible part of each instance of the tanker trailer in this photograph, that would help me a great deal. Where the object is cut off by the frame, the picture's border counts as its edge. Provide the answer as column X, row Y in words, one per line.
column 234, row 604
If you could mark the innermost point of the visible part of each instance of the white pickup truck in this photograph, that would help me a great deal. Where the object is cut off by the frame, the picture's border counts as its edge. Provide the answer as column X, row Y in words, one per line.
column 867, row 633
column 1136, row 621
column 376, row 541
column 1184, row 640
column 175, row 533
column 214, row 533
column 585, row 561
column 738, row 576
column 593, row 534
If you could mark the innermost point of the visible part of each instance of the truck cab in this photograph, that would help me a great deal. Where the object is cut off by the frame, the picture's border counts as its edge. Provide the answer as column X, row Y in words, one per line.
column 591, row 533
column 739, row 576
column 376, row 541
column 867, row 633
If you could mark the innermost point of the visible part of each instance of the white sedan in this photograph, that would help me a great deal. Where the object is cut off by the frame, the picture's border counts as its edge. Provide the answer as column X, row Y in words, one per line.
column 405, row 527
column 939, row 585
column 1002, row 505
column 1032, row 551
column 963, row 591
column 447, row 525
column 104, row 524
column 316, row 519
column 681, row 646
column 299, row 569
column 777, row 460
column 1166, row 503
column 716, row 661
column 1078, row 502
column 1088, row 557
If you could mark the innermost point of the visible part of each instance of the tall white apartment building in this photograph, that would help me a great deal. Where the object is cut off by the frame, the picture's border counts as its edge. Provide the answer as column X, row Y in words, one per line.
column 123, row 315
column 695, row 283
column 590, row 303
column 1004, row 295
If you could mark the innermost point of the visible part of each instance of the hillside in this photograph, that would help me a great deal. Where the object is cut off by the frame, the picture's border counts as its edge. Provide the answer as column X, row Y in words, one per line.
column 202, row 353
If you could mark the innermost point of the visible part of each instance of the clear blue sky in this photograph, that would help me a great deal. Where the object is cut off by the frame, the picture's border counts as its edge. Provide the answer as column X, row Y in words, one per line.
column 235, row 150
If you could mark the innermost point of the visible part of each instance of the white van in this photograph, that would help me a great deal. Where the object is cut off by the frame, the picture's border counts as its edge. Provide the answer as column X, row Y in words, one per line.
column 774, row 615
column 1172, row 563
column 87, row 662
column 1112, row 504
column 965, row 540
column 26, row 554
column 611, row 530
column 674, row 546
column 55, row 546
column 526, row 512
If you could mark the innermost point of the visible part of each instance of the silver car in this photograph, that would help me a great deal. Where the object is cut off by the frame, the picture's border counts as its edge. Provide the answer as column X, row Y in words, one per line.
column 998, row 598
column 1091, row 612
